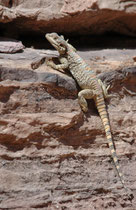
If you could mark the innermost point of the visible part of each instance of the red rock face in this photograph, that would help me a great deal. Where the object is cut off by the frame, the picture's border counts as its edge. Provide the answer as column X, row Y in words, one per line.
column 53, row 156
column 70, row 16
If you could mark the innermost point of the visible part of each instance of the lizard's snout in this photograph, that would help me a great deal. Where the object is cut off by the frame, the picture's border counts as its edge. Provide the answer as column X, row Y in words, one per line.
column 46, row 36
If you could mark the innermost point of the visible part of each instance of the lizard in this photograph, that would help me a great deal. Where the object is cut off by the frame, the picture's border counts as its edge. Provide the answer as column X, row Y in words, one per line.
column 91, row 86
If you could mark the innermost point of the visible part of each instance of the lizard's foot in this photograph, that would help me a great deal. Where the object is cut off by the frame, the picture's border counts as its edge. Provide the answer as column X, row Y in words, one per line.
column 82, row 103
column 49, row 62
column 111, row 96
column 82, row 96
column 105, row 89
column 84, row 108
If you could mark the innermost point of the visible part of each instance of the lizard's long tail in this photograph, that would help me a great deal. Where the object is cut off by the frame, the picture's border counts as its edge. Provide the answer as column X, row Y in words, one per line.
column 100, row 104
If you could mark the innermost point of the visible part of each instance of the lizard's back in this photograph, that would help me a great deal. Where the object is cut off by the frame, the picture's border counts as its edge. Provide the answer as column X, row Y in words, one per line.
column 82, row 72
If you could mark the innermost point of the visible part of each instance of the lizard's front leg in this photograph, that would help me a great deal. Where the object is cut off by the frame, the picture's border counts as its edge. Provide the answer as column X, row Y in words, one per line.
column 62, row 66
column 82, row 96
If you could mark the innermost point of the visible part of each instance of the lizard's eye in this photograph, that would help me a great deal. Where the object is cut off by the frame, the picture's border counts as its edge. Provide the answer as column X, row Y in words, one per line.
column 61, row 45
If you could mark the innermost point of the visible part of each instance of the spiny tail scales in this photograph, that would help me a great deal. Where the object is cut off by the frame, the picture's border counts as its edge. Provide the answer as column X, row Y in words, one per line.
column 100, row 104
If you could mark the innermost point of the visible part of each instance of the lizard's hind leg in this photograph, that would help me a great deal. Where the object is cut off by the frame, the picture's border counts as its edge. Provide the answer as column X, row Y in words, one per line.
column 82, row 96
column 104, row 89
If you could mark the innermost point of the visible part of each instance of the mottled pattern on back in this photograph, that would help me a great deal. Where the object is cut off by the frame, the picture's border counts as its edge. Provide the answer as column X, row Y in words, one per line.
column 91, row 86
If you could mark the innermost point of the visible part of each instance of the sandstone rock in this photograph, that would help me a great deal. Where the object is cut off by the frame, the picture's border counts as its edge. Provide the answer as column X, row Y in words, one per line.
column 10, row 45
column 52, row 156
column 69, row 16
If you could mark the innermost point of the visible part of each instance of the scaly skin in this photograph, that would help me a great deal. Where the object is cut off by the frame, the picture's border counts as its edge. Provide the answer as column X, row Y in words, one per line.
column 92, row 87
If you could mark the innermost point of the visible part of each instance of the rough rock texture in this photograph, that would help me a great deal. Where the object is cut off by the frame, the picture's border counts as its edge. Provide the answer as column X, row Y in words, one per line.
column 10, row 45
column 52, row 156
column 69, row 16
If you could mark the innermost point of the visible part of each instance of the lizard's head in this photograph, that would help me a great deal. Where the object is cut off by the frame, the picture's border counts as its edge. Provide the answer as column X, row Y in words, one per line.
column 58, row 42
